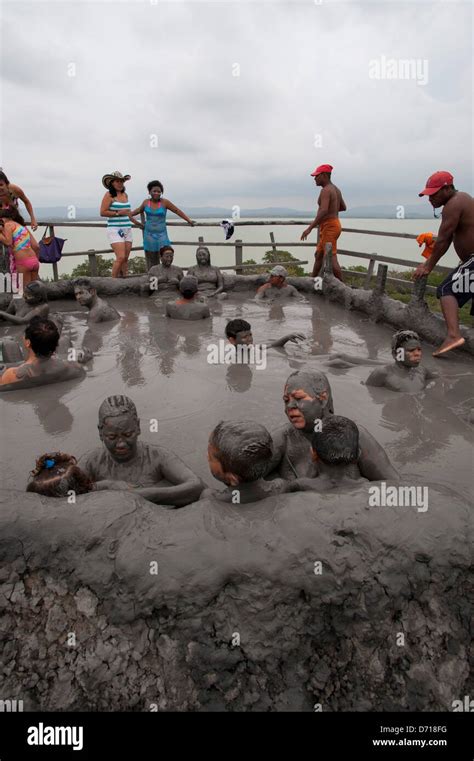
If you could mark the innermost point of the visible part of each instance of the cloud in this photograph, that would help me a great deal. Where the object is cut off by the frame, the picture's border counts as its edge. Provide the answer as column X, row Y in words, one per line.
column 303, row 95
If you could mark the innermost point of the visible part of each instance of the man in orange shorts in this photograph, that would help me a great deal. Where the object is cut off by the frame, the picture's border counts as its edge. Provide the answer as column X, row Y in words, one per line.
column 330, row 203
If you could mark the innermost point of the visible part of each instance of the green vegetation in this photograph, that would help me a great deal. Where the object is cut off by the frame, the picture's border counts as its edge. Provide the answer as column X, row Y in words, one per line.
column 295, row 270
column 136, row 266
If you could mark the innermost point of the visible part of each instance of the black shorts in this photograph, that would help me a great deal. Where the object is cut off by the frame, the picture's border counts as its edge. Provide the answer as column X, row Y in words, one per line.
column 460, row 284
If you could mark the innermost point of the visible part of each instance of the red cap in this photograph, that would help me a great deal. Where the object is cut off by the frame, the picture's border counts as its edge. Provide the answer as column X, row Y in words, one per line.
column 436, row 182
column 323, row 168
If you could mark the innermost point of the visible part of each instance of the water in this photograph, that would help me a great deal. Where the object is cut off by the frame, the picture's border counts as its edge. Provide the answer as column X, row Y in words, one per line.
column 84, row 239
column 162, row 365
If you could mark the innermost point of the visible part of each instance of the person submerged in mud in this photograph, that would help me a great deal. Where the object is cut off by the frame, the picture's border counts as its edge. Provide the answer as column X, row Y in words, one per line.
column 124, row 462
column 406, row 373
column 188, row 307
column 56, row 474
column 239, row 332
column 335, row 450
column 42, row 366
column 33, row 303
column 277, row 287
column 210, row 279
column 308, row 401
column 165, row 276
column 238, row 454
column 86, row 296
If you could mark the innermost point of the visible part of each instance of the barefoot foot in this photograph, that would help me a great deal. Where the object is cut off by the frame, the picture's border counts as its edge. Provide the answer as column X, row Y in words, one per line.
column 449, row 344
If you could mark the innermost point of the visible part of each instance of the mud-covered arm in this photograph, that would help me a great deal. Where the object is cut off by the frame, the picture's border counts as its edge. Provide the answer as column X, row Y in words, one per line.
column 220, row 283
column 13, row 318
column 373, row 461
column 187, row 486
column 283, row 340
column 279, row 449
column 377, row 377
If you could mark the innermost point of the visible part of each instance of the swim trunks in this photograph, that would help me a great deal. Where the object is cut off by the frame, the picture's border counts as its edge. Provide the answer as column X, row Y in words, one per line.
column 460, row 284
column 329, row 232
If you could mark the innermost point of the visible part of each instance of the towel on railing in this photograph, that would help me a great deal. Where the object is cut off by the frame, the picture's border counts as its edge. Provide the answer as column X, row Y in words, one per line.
column 428, row 240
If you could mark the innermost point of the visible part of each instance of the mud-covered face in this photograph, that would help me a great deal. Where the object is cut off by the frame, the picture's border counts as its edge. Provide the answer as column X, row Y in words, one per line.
column 32, row 297
column 202, row 257
column 244, row 337
column 84, row 295
column 120, row 434
column 302, row 409
column 167, row 258
column 276, row 281
column 409, row 355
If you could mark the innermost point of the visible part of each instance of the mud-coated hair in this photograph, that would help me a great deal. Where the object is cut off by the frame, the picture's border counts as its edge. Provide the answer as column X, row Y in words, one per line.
column 83, row 282
column 401, row 337
column 204, row 248
column 237, row 326
column 56, row 474
column 155, row 184
column 38, row 289
column 43, row 335
column 243, row 448
column 338, row 441
column 116, row 405
column 315, row 383
column 11, row 212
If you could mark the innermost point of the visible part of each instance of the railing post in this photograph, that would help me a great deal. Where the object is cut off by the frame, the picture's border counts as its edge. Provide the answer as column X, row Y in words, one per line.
column 238, row 255
column 92, row 263
column 328, row 259
column 370, row 272
column 419, row 287
column 381, row 279
column 200, row 239
column 272, row 238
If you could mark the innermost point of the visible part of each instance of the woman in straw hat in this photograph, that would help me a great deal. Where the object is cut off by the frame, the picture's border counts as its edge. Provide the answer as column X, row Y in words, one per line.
column 116, row 208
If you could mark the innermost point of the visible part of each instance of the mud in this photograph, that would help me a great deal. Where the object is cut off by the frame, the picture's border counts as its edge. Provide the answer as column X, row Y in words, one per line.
column 375, row 303
column 236, row 618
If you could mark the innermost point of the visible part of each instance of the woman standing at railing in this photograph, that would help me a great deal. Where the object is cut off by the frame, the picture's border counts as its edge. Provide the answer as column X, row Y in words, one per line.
column 115, row 207
column 153, row 215
column 10, row 195
column 22, row 246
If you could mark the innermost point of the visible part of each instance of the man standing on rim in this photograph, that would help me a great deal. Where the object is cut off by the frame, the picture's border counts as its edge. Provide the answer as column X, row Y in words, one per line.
column 330, row 203
column 457, row 227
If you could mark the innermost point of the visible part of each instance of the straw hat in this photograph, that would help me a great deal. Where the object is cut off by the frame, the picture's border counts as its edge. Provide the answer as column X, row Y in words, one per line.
column 107, row 178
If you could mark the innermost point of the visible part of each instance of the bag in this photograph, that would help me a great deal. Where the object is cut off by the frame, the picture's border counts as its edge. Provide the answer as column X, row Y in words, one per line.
column 50, row 249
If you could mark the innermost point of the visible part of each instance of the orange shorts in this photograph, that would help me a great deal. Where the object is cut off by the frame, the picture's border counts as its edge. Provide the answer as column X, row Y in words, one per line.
column 329, row 232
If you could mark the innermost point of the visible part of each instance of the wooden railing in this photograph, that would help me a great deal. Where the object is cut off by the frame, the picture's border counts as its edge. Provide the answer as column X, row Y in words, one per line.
column 239, row 245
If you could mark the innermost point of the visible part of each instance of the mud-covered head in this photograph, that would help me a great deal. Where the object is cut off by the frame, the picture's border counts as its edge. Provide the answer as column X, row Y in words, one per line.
column 119, row 427
column 42, row 337
column 203, row 256
column 406, row 348
column 167, row 256
column 239, row 332
column 308, row 398
column 35, row 293
column 188, row 287
column 56, row 474
column 278, row 276
column 239, row 451
column 84, row 291
column 337, row 441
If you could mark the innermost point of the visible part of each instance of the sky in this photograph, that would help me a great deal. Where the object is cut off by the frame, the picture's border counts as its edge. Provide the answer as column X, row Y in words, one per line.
column 235, row 103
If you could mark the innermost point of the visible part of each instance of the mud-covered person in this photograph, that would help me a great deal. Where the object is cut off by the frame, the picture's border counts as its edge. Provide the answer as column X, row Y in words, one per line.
column 86, row 295
column 165, row 276
column 308, row 399
column 33, row 303
column 239, row 332
column 188, row 306
column 406, row 373
column 42, row 366
column 124, row 462
column 277, row 287
column 238, row 455
column 57, row 474
column 335, row 450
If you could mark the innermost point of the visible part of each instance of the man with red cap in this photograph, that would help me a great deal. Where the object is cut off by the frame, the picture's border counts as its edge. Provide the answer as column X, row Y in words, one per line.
column 330, row 203
column 457, row 227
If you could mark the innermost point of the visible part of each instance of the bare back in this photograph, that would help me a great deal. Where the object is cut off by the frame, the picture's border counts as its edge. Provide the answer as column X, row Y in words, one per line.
column 458, row 213
column 334, row 199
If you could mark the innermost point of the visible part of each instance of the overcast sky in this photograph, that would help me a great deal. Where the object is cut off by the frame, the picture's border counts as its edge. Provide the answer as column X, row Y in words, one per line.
column 304, row 95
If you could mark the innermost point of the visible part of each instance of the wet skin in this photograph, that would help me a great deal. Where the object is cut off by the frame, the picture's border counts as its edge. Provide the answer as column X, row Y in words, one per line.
column 39, row 371
column 99, row 310
column 292, row 456
column 209, row 278
column 403, row 375
column 167, row 273
column 246, row 337
column 126, row 463
column 21, row 311
column 276, row 288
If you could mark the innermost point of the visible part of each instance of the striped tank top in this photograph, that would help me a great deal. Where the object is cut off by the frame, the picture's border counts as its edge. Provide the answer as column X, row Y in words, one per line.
column 119, row 221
